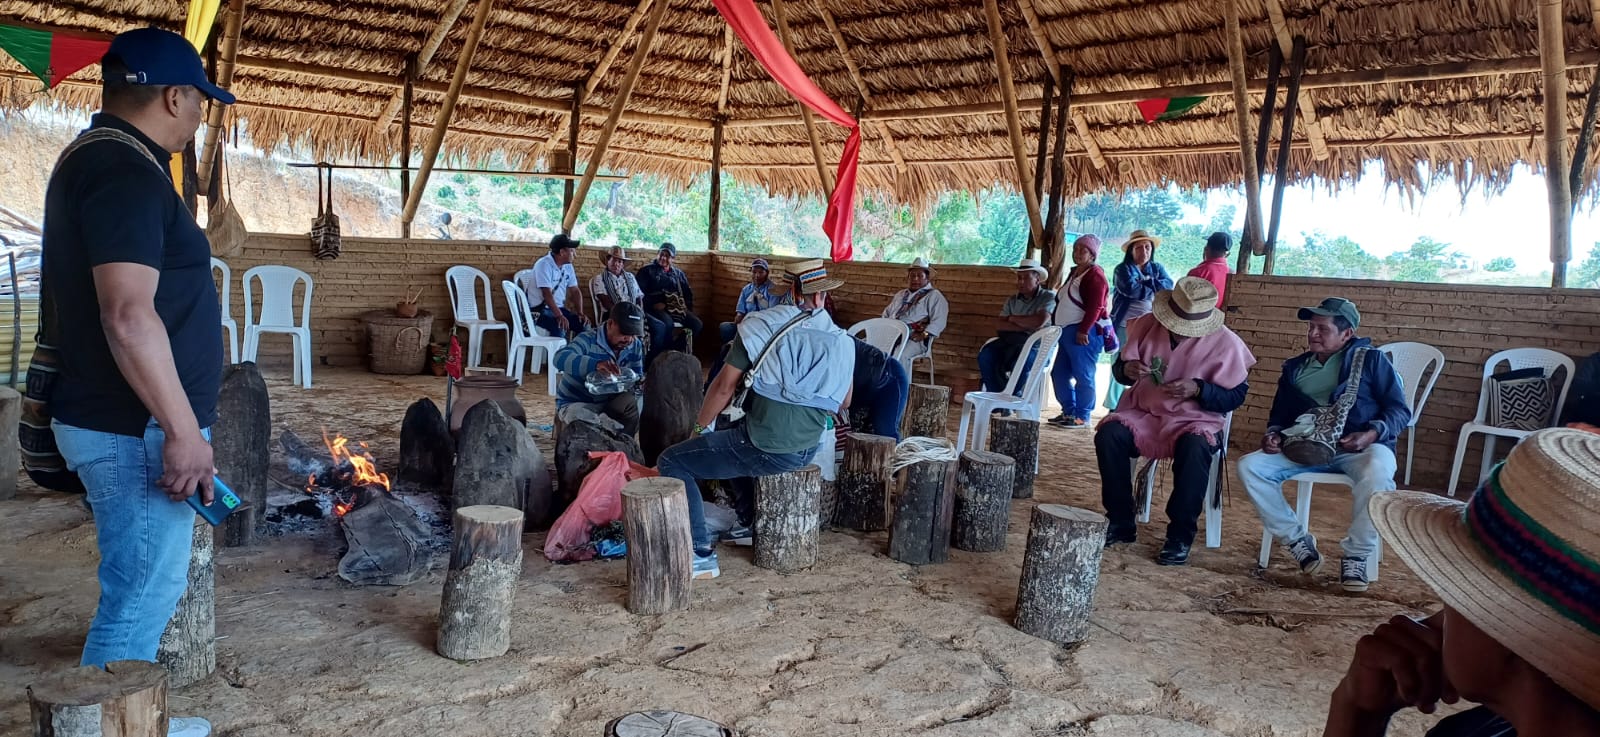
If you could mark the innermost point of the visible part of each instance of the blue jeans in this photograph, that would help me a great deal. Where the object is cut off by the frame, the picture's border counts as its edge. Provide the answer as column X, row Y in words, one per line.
column 721, row 455
column 144, row 539
column 1073, row 373
column 886, row 403
column 728, row 330
column 1371, row 472
column 545, row 317
column 994, row 375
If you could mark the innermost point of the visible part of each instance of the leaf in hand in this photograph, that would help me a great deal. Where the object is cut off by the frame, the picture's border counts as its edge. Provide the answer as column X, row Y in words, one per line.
column 1157, row 365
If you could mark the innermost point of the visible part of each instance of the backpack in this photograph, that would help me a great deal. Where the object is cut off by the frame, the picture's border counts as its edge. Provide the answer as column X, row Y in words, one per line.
column 1583, row 399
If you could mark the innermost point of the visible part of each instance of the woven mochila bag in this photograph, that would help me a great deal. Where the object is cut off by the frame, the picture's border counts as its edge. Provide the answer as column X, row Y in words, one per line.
column 325, row 228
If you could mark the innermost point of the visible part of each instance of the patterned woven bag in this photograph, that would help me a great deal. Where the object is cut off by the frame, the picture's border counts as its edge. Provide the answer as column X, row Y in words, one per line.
column 1521, row 400
column 325, row 228
column 1314, row 439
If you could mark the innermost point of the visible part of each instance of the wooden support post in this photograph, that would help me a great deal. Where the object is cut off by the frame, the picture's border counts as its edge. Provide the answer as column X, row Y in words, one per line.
column 1039, row 162
column 1580, row 152
column 714, row 215
column 655, row 519
column 232, row 22
column 823, row 175
column 1008, row 95
column 1553, row 57
column 1301, row 99
column 407, row 93
column 427, row 452
column 1280, row 177
column 1017, row 439
column 921, row 531
column 241, row 443
column 188, row 647
column 788, row 519
column 1060, row 572
column 441, row 123
column 485, row 563
column 10, row 443
column 1055, row 250
column 1247, row 159
column 624, row 92
column 927, row 412
column 865, row 483
column 672, row 397
column 1268, row 103
column 127, row 699
column 983, row 501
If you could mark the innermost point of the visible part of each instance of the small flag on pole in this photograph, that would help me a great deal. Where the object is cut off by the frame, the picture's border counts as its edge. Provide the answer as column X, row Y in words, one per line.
column 50, row 56
column 1167, row 108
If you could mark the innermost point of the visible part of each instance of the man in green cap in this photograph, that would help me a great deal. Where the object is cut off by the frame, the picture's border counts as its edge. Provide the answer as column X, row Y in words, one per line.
column 1364, row 449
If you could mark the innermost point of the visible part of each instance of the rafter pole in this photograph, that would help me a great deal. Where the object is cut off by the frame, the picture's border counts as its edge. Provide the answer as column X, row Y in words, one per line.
column 232, row 22
column 452, row 13
column 1280, row 179
column 1008, row 94
column 1552, row 52
column 1247, row 153
column 1090, row 146
column 727, row 69
column 861, row 87
column 714, row 216
column 593, row 81
column 1308, row 109
column 624, row 91
column 1052, row 62
column 806, row 116
column 406, row 98
column 441, row 123
column 574, row 127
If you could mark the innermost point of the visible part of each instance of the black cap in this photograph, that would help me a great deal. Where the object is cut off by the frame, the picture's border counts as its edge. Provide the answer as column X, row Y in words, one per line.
column 560, row 241
column 1220, row 242
column 1334, row 307
column 628, row 317
column 669, row 248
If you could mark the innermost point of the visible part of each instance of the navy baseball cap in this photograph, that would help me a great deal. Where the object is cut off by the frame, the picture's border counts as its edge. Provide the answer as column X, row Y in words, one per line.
column 162, row 58
column 628, row 317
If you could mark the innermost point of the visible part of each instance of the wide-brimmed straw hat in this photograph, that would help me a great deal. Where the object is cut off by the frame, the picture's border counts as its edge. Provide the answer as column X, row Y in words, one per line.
column 613, row 252
column 1189, row 308
column 1521, row 559
column 1031, row 264
column 1139, row 235
column 812, row 276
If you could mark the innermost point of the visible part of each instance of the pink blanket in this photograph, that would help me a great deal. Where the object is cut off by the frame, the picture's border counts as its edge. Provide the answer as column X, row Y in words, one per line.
column 1157, row 420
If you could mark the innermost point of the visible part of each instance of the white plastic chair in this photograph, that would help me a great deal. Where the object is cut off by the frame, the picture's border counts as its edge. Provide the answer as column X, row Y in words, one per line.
column 277, row 315
column 1302, row 510
column 228, row 323
column 1219, row 460
column 1415, row 362
column 462, row 281
column 1036, row 357
column 884, row 333
column 924, row 357
column 525, row 337
column 1516, row 358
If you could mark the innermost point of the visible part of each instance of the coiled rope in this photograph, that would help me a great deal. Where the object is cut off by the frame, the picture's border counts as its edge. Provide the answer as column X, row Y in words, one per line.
column 912, row 451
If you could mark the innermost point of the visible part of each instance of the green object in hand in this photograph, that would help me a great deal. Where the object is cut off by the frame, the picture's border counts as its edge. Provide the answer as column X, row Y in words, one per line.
column 1156, row 367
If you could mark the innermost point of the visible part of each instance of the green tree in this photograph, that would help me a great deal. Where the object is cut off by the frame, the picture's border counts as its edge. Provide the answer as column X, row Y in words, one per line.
column 1333, row 258
column 1427, row 260
column 1587, row 273
column 1501, row 265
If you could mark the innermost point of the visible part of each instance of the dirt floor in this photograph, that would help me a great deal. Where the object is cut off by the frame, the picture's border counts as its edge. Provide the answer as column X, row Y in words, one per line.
column 859, row 645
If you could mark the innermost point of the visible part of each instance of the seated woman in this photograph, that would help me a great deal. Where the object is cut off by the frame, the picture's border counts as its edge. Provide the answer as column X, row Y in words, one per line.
column 667, row 297
column 1518, row 569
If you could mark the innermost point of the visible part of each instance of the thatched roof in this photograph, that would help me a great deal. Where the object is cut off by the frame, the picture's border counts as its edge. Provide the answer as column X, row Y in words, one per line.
column 319, row 72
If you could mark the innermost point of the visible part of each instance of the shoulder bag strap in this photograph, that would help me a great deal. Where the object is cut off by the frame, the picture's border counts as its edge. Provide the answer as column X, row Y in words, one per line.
column 1347, row 399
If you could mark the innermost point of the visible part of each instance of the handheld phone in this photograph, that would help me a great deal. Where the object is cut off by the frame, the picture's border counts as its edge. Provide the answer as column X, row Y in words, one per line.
column 223, row 502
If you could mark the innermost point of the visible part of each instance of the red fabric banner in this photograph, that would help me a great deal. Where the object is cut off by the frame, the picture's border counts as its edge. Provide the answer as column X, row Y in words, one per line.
column 752, row 29
column 68, row 54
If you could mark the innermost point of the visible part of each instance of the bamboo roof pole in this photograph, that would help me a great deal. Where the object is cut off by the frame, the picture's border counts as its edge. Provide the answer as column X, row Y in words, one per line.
column 1308, row 108
column 232, row 22
column 441, row 123
column 727, row 69
column 1090, row 146
column 1576, row 181
column 452, row 13
column 1552, row 52
column 624, row 91
column 406, row 98
column 1247, row 154
column 603, row 66
column 1052, row 62
column 882, row 129
column 714, row 216
column 1008, row 93
column 806, row 115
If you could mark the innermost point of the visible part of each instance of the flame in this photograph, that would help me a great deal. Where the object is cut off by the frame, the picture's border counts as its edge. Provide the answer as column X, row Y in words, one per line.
column 366, row 472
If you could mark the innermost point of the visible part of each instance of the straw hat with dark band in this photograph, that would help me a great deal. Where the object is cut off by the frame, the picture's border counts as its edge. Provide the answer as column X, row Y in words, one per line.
column 1189, row 308
column 812, row 276
column 1139, row 235
column 1521, row 559
column 613, row 252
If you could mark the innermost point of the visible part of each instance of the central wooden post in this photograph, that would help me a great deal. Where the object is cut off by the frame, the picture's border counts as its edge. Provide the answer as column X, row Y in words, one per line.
column 1553, row 59
column 441, row 122
column 714, row 216
column 407, row 92
column 574, row 125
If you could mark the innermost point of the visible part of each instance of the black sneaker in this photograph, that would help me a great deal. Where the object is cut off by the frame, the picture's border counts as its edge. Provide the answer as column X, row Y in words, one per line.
column 1174, row 553
column 1060, row 420
column 740, row 535
column 1353, row 575
column 1118, row 535
column 1305, row 554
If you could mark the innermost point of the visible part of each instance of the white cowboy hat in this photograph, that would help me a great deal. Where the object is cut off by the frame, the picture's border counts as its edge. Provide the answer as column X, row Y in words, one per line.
column 1029, row 264
column 1189, row 308
column 920, row 263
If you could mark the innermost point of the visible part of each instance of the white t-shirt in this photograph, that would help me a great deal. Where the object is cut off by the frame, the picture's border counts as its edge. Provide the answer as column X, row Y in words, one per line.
column 548, row 275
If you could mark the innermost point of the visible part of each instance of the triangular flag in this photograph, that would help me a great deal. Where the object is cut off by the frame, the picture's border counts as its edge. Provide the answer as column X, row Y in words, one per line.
column 1167, row 109
column 69, row 54
column 51, row 57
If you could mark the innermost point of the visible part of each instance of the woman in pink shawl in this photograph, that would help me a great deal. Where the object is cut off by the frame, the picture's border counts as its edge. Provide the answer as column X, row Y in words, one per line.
column 1185, row 371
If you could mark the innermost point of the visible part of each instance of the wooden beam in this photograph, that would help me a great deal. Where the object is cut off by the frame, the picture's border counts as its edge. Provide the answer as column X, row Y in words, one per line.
column 806, row 115
column 714, row 216
column 441, row 123
column 1055, row 223
column 452, row 13
column 727, row 70
column 1052, row 64
column 233, row 20
column 1247, row 157
column 1280, row 178
column 861, row 85
column 574, row 127
column 1308, row 108
column 604, row 65
column 1090, row 147
column 624, row 91
column 1008, row 93
column 1552, row 51
column 406, row 97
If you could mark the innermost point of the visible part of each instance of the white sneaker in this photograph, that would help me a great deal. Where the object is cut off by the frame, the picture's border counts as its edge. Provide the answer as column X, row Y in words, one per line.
column 188, row 727
column 704, row 567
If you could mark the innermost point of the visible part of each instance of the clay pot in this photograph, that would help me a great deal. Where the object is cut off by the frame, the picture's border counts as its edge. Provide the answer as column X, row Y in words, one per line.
column 405, row 309
column 474, row 389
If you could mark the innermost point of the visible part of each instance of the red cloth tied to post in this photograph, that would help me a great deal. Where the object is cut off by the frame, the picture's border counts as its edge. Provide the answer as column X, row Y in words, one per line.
column 751, row 28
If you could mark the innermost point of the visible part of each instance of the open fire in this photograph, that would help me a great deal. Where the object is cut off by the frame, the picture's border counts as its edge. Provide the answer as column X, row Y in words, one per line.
column 349, row 475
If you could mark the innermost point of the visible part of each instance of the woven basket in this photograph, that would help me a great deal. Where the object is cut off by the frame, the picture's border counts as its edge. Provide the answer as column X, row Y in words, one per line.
column 398, row 345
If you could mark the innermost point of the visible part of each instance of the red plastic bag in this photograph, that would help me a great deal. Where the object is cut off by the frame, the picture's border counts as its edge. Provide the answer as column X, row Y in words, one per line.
column 599, row 502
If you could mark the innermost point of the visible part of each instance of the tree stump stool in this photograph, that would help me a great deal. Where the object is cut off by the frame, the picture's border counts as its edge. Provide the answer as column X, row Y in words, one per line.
column 927, row 412
column 665, row 724
column 1018, row 439
column 865, row 483
column 983, row 501
column 485, row 562
column 1060, row 571
column 673, row 392
column 788, row 519
column 241, row 443
column 427, row 452
column 10, row 444
column 921, row 531
column 655, row 519
column 127, row 699
column 189, row 645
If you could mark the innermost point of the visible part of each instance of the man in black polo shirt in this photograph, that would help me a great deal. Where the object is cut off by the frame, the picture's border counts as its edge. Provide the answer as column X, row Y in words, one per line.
column 139, row 329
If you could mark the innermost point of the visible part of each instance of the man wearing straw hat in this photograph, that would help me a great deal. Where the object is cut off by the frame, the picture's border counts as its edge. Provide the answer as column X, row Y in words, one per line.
column 796, row 367
column 1023, row 313
column 1184, row 370
column 1517, row 567
column 615, row 284
column 920, row 306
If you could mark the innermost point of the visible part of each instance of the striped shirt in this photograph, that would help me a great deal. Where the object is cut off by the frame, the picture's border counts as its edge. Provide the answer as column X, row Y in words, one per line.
column 581, row 356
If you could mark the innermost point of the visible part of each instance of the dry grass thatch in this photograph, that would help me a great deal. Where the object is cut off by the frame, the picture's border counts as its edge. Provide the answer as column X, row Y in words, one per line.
column 319, row 73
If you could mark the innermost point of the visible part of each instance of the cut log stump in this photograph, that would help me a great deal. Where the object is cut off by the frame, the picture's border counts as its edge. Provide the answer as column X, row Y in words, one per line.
column 864, row 483
column 921, row 531
column 427, row 452
column 1060, row 571
column 127, row 699
column 1018, row 439
column 983, row 501
column 927, row 412
column 10, row 445
column 665, row 724
column 788, row 519
column 498, row 464
column 189, row 645
column 485, row 562
column 673, row 393
column 241, row 443
column 655, row 519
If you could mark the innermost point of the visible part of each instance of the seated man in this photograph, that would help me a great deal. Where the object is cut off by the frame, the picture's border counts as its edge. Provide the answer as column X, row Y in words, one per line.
column 922, row 308
column 878, row 391
column 608, row 353
column 667, row 297
column 552, row 280
column 1024, row 312
column 1316, row 379
column 795, row 386
column 756, row 296
column 1517, row 571
column 614, row 284
column 1184, row 370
